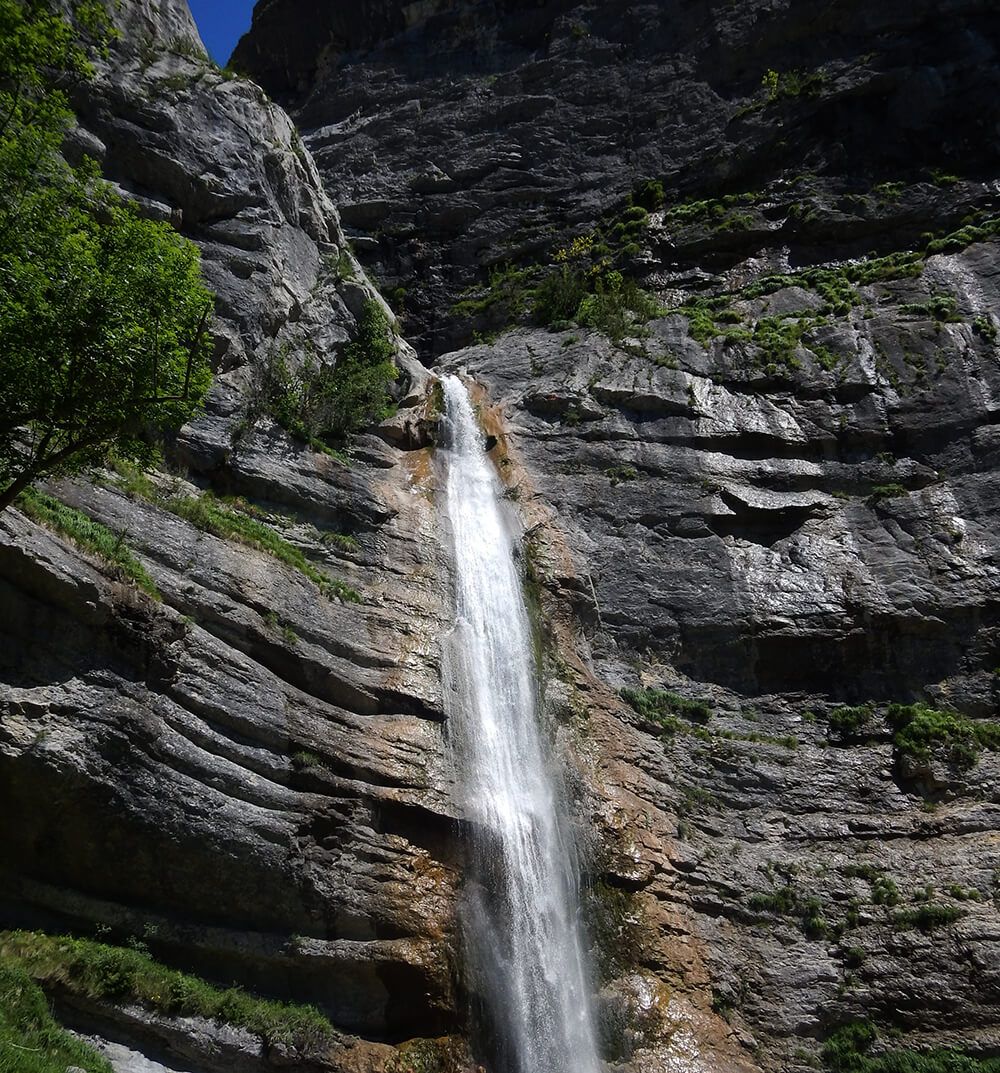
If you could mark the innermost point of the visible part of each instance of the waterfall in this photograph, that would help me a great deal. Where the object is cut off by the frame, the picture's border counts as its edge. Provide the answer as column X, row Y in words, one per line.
column 520, row 916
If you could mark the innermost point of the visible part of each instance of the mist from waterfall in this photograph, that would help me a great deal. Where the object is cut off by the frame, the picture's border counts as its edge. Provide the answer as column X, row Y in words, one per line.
column 521, row 927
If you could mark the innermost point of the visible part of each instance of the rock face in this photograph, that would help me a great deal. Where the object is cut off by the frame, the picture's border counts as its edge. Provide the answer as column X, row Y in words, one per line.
column 775, row 496
column 463, row 135
column 250, row 774
column 771, row 497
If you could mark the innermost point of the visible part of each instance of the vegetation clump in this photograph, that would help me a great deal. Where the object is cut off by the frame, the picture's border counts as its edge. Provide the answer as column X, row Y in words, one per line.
column 88, row 535
column 662, row 707
column 788, row 901
column 30, row 1040
column 324, row 405
column 846, row 721
column 921, row 731
column 95, row 970
column 848, row 1050
column 927, row 917
column 585, row 282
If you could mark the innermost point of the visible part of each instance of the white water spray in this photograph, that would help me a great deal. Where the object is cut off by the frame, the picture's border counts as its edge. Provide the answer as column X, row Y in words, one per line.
column 521, row 925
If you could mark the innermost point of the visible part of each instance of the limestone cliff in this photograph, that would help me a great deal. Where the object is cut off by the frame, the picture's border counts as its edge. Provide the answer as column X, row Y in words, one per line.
column 772, row 499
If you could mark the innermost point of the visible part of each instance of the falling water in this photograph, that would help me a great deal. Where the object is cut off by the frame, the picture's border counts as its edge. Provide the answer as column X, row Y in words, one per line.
column 521, row 928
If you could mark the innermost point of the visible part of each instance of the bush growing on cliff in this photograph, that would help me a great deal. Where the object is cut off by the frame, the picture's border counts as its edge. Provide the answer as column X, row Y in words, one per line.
column 921, row 731
column 102, row 313
column 324, row 404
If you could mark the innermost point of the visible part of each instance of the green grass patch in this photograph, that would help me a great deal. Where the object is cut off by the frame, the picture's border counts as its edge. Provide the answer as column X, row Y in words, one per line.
column 788, row 901
column 880, row 492
column 117, row 974
column 30, row 1040
column 234, row 522
column 927, row 917
column 661, row 707
column 965, row 236
column 939, row 307
column 848, row 1049
column 88, row 535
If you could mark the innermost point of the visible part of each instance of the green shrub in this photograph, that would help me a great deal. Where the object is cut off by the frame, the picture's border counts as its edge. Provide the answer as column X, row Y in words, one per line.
column 88, row 535
column 921, row 731
column 985, row 327
column 616, row 307
column 847, row 721
column 649, row 195
column 322, row 404
column 657, row 705
column 94, row 970
column 884, row 891
column 558, row 296
column 30, row 1040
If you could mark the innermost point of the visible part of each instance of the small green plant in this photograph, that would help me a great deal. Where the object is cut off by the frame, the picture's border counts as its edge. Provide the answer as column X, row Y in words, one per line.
column 985, row 327
column 881, row 492
column 618, row 474
column 649, row 195
column 784, row 84
column 88, row 535
column 884, row 891
column 854, row 957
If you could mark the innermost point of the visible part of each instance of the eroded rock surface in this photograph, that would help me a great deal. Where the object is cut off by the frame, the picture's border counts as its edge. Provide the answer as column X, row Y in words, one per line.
column 249, row 775
column 775, row 521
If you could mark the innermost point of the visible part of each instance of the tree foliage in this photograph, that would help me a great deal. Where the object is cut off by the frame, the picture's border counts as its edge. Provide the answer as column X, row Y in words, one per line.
column 102, row 313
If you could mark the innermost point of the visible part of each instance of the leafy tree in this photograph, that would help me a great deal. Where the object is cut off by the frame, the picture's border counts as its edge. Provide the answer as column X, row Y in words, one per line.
column 102, row 313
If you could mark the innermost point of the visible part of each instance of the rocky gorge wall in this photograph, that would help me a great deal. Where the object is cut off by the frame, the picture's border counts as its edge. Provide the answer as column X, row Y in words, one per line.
column 772, row 499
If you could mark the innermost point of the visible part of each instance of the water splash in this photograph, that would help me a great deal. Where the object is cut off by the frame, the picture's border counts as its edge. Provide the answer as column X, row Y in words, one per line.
column 521, row 923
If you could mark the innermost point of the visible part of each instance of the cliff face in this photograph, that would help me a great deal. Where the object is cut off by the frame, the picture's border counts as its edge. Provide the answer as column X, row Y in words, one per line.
column 775, row 500
column 469, row 135
column 249, row 774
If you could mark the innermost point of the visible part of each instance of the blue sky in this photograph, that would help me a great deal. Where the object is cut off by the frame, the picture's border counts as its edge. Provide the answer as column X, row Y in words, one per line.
column 221, row 24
